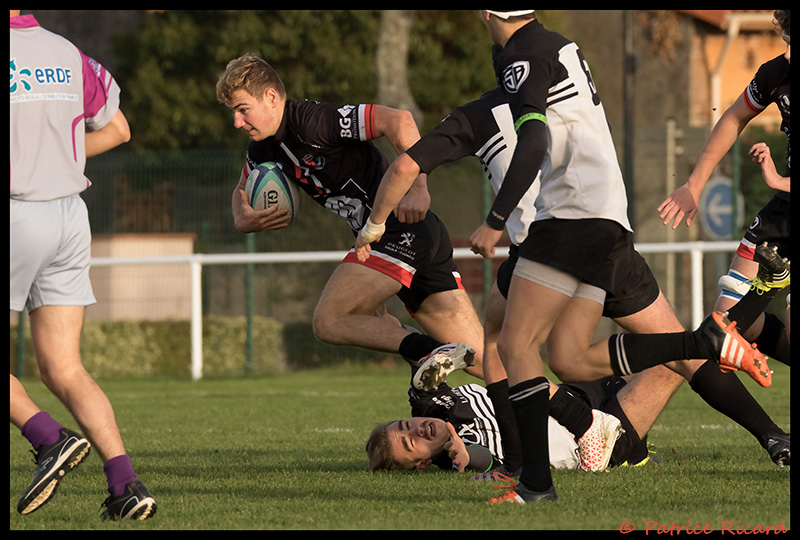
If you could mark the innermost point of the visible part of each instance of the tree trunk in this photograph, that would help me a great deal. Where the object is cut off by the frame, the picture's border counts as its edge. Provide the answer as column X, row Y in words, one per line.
column 392, row 62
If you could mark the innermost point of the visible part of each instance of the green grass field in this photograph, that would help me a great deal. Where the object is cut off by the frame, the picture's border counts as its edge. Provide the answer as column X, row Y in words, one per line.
column 286, row 452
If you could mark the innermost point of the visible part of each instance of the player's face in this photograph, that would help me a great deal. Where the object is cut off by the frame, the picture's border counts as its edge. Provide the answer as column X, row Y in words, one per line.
column 416, row 441
column 260, row 118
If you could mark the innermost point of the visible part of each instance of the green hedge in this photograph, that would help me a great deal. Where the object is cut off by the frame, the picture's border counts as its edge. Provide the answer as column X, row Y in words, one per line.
column 142, row 348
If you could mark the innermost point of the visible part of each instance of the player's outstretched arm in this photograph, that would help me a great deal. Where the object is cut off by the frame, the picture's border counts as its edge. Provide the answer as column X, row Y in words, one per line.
column 682, row 203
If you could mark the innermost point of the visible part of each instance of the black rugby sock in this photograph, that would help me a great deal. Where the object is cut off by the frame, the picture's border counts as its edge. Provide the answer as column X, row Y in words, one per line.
column 632, row 353
column 746, row 311
column 571, row 412
column 417, row 346
column 773, row 340
column 725, row 392
column 530, row 402
column 504, row 413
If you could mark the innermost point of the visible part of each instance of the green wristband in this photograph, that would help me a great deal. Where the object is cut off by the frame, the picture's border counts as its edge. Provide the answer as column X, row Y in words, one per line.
column 530, row 116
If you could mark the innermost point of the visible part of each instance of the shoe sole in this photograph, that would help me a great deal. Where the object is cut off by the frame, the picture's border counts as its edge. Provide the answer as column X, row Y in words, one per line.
column 46, row 488
column 767, row 256
column 782, row 459
column 434, row 370
column 514, row 496
column 143, row 510
column 612, row 429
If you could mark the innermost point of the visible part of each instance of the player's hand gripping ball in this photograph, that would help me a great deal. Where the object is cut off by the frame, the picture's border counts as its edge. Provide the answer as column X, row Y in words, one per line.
column 267, row 187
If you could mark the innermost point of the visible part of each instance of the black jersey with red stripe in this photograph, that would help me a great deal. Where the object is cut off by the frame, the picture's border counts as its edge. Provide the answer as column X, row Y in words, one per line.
column 326, row 150
column 771, row 85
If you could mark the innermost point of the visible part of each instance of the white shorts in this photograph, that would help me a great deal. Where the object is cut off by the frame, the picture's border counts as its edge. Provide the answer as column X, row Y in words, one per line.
column 562, row 448
column 557, row 280
column 50, row 254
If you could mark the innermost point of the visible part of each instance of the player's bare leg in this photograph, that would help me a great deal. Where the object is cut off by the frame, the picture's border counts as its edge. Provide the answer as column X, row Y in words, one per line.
column 56, row 335
column 570, row 352
column 449, row 317
column 524, row 333
column 22, row 408
column 493, row 370
column 348, row 310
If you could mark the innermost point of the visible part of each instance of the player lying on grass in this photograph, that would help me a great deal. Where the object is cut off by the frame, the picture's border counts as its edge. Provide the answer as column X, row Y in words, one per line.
column 455, row 428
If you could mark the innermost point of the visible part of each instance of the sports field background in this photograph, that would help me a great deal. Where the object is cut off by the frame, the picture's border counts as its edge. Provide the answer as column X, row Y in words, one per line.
column 286, row 452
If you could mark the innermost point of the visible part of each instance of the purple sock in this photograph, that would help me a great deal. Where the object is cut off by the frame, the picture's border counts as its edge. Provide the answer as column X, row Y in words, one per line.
column 41, row 430
column 119, row 473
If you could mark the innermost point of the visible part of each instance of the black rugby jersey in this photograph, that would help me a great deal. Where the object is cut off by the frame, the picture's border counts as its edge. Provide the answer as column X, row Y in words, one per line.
column 326, row 150
column 771, row 85
column 462, row 134
column 469, row 410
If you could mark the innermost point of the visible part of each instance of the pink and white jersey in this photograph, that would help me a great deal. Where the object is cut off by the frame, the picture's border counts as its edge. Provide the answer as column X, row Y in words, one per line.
column 57, row 94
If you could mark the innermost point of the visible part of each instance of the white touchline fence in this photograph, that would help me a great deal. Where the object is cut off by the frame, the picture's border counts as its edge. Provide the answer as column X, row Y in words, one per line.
column 198, row 260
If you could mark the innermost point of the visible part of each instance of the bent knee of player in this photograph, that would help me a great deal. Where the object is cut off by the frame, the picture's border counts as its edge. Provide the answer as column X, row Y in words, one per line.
column 513, row 346
column 565, row 371
column 323, row 325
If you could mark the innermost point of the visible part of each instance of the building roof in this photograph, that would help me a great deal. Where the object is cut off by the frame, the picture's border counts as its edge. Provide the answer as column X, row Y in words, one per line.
column 748, row 19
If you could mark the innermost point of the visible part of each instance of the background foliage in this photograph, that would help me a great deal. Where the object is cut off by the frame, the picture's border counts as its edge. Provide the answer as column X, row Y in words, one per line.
column 169, row 65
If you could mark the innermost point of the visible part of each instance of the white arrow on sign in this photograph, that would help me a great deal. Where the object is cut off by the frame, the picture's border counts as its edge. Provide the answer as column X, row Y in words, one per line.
column 717, row 209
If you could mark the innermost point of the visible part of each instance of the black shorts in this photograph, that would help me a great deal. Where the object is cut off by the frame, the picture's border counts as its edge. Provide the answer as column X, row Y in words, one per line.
column 596, row 394
column 771, row 224
column 635, row 286
column 602, row 395
column 418, row 255
column 587, row 249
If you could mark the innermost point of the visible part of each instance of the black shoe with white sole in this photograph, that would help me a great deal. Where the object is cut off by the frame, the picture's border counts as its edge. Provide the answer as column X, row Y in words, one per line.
column 135, row 503
column 53, row 462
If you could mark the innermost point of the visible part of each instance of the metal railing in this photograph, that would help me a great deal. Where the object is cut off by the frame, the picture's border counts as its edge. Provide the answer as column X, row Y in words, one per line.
column 197, row 261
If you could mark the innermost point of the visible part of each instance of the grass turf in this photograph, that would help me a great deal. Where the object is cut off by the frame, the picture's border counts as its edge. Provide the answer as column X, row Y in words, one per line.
column 286, row 452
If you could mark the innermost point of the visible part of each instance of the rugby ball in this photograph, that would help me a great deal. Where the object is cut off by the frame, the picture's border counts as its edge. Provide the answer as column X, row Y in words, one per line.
column 267, row 186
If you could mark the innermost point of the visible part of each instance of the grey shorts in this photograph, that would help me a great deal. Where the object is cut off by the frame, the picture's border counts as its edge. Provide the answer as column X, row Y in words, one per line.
column 50, row 254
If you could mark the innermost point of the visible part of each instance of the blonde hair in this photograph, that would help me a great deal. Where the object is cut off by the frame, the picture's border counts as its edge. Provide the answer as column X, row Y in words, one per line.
column 251, row 74
column 379, row 450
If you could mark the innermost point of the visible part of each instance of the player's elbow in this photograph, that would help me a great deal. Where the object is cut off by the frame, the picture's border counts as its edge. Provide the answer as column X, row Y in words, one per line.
column 123, row 130
column 406, row 120
column 398, row 126
column 405, row 168
column 124, row 134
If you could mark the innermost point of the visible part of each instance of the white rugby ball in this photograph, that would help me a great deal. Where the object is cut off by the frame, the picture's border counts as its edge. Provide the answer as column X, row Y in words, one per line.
column 267, row 186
